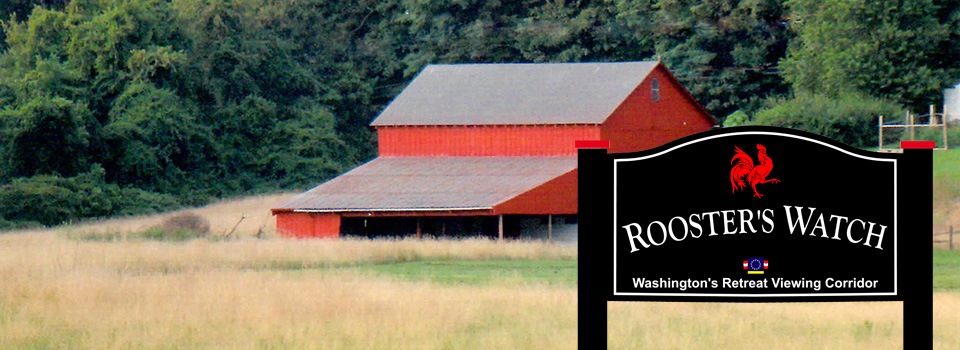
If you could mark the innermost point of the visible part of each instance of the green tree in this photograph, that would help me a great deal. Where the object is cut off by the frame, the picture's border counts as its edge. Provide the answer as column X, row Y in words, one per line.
column 42, row 37
column 304, row 147
column 206, row 98
column 155, row 140
column 14, row 9
column 103, row 37
column 21, row 8
column 46, row 135
column 888, row 49
column 723, row 51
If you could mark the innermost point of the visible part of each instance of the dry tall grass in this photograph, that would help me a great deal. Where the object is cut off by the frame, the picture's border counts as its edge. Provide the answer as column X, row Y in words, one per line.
column 47, row 253
column 57, row 292
column 877, row 325
column 946, row 321
column 249, row 293
column 873, row 325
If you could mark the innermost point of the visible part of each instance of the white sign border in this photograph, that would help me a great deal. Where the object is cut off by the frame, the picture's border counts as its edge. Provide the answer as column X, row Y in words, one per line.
column 775, row 295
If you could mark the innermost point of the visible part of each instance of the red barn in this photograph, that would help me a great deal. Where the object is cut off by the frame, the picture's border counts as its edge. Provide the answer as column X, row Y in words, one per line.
column 489, row 149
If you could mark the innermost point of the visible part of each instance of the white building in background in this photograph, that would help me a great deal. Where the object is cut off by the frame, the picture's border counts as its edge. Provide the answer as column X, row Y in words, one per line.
column 951, row 102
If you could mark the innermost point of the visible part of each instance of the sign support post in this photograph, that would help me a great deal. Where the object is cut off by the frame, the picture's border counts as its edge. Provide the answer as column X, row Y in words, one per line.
column 593, row 208
column 918, row 302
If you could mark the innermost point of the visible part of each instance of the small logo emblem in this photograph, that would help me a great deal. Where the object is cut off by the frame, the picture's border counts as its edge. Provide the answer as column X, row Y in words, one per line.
column 744, row 171
column 755, row 266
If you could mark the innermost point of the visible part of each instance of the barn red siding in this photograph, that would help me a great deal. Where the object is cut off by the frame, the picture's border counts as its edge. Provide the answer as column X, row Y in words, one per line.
column 484, row 140
column 308, row 225
column 557, row 196
column 639, row 123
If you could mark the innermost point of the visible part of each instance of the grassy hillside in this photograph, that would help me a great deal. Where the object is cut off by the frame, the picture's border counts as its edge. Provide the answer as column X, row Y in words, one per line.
column 946, row 270
column 249, row 215
column 946, row 189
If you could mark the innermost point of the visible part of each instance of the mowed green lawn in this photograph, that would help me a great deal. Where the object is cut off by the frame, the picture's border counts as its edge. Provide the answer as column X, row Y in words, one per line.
column 946, row 184
column 946, row 270
column 482, row 272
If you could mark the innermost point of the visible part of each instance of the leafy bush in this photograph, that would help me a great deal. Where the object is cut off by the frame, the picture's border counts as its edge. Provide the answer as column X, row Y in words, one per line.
column 850, row 119
column 177, row 228
column 17, row 225
column 736, row 118
column 52, row 200
column 186, row 222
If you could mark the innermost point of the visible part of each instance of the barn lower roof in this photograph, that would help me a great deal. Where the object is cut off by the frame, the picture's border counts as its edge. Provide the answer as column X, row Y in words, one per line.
column 431, row 183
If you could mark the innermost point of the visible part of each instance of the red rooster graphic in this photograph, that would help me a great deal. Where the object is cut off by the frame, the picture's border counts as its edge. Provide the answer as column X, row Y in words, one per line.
column 743, row 169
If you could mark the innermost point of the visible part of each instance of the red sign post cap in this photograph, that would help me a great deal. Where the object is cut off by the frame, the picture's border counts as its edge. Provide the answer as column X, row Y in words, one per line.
column 917, row 145
column 604, row 144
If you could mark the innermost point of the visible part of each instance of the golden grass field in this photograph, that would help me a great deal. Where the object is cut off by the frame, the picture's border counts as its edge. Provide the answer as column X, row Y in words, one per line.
column 57, row 292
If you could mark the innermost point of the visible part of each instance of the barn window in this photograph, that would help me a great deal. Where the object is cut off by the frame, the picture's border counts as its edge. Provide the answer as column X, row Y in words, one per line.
column 655, row 90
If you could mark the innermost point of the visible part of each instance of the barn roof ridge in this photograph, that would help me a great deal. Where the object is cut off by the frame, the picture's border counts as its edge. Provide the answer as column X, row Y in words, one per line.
column 515, row 93
column 535, row 63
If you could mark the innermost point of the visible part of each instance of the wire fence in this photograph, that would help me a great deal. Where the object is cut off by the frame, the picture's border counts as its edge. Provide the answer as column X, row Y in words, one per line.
column 944, row 238
column 912, row 127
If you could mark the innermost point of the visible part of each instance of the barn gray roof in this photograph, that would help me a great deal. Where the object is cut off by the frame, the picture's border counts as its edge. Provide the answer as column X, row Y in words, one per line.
column 504, row 94
column 430, row 183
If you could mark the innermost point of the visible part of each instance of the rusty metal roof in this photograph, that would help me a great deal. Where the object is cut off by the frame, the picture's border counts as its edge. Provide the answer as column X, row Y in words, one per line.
column 431, row 183
column 511, row 94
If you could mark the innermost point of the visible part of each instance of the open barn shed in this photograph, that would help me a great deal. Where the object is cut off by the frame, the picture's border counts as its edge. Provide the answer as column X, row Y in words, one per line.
column 489, row 150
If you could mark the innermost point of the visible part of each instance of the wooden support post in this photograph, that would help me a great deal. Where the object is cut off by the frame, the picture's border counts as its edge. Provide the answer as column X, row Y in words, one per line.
column 881, row 134
column 419, row 231
column 933, row 112
column 910, row 122
column 500, row 228
column 951, row 237
column 550, row 228
column 943, row 120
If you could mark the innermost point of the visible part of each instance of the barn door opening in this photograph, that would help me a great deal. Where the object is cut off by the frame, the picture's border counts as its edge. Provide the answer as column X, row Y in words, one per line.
column 525, row 227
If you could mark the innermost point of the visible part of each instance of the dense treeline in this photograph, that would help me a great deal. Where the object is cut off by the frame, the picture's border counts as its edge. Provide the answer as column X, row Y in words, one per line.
column 123, row 106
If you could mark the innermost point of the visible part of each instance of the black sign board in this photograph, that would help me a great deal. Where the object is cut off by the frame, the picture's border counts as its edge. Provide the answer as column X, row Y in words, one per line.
column 755, row 214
